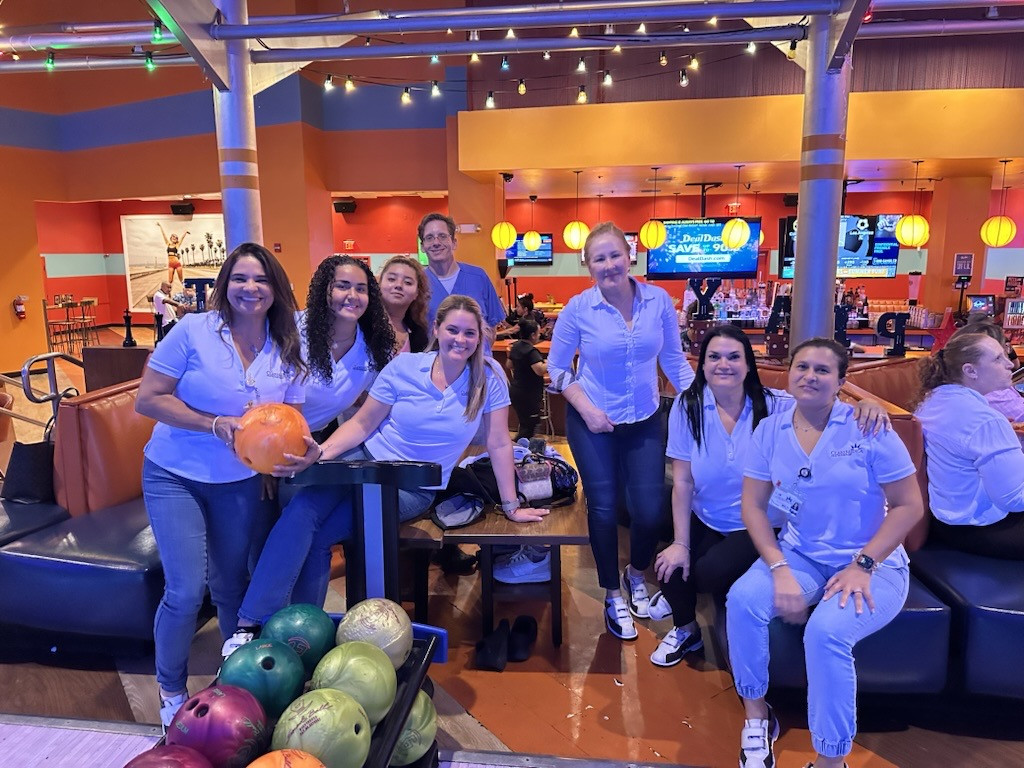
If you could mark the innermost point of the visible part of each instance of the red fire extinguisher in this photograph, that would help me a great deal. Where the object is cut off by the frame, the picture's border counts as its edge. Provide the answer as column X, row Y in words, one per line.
column 19, row 306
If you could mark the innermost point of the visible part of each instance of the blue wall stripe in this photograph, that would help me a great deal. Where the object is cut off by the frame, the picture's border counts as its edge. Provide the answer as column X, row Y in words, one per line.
column 83, row 264
column 294, row 99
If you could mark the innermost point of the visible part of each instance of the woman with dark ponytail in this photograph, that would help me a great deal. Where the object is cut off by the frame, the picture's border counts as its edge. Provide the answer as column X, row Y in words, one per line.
column 975, row 462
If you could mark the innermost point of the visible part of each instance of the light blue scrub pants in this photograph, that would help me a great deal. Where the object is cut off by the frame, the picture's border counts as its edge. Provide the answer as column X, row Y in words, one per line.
column 829, row 638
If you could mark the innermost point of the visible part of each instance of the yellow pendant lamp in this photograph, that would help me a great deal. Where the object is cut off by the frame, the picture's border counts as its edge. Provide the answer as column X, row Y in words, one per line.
column 998, row 231
column 912, row 230
column 736, row 231
column 531, row 239
column 652, row 232
column 503, row 234
column 576, row 231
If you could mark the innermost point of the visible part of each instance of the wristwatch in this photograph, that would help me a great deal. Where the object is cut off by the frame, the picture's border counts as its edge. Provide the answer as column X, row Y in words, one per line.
column 508, row 507
column 866, row 562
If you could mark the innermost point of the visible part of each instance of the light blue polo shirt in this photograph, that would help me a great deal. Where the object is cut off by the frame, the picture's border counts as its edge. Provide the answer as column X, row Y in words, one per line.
column 842, row 503
column 717, row 464
column 350, row 376
column 199, row 353
column 975, row 463
column 618, row 365
column 425, row 424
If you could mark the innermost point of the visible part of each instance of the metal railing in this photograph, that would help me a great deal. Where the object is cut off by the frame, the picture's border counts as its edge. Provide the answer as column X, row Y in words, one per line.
column 55, row 394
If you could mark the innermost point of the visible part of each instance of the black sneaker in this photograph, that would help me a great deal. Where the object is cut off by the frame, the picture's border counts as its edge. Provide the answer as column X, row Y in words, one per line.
column 676, row 644
column 756, row 742
column 617, row 619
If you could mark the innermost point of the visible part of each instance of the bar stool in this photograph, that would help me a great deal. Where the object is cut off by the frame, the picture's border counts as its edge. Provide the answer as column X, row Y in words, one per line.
column 58, row 332
column 90, row 333
column 545, row 414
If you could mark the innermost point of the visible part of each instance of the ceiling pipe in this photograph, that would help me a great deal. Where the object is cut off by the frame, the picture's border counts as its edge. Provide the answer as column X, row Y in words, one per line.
column 878, row 30
column 881, row 6
column 526, row 45
column 599, row 16
column 95, row 62
column 58, row 42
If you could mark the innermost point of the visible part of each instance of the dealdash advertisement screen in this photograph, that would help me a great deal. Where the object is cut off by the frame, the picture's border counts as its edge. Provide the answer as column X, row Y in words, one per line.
column 694, row 248
column 867, row 246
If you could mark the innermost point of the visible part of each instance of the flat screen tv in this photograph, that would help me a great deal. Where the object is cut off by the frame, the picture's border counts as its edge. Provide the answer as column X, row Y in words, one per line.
column 694, row 248
column 517, row 254
column 867, row 246
column 985, row 302
column 633, row 238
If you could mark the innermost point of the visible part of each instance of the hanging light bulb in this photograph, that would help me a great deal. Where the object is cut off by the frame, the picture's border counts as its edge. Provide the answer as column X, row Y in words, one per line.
column 329, row 83
column 504, row 64
column 683, row 79
column 713, row 21
column 652, row 233
column 448, row 31
column 607, row 81
column 532, row 238
column 609, row 29
column 406, row 96
column 582, row 66
column 15, row 55
column 912, row 230
column 642, row 29
column 751, row 47
column 617, row 48
column 435, row 59
column 791, row 53
column 435, row 88
column 150, row 64
column 51, row 61
column 694, row 63
column 581, row 97
column 998, row 231
column 522, row 87
column 350, row 84
column 736, row 231
column 158, row 31
column 686, row 28
column 547, row 55
column 575, row 233
column 511, row 34
column 474, row 35
column 503, row 234
column 489, row 103
column 574, row 32
column 366, row 42
column 663, row 59
column 474, row 58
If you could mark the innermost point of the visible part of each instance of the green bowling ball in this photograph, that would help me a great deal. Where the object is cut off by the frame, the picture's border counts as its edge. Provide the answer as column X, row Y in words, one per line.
column 419, row 731
column 270, row 670
column 328, row 724
column 306, row 628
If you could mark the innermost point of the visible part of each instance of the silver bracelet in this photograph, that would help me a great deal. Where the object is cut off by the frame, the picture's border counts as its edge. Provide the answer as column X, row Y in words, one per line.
column 681, row 543
column 778, row 564
column 321, row 453
column 213, row 427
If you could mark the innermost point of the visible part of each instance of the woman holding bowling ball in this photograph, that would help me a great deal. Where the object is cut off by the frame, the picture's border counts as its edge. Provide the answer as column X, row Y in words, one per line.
column 423, row 406
column 205, row 506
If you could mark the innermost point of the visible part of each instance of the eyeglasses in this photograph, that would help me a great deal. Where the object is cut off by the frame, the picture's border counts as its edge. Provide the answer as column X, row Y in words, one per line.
column 444, row 237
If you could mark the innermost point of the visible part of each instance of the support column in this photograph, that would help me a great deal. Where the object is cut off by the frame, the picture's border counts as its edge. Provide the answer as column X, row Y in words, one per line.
column 235, row 116
column 959, row 206
column 472, row 202
column 822, row 169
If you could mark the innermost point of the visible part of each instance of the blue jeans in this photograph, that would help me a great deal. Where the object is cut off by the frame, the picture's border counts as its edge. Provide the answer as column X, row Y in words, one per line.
column 829, row 638
column 204, row 532
column 295, row 566
column 632, row 456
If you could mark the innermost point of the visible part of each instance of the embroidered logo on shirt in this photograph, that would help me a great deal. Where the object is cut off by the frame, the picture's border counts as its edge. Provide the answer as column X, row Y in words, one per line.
column 854, row 447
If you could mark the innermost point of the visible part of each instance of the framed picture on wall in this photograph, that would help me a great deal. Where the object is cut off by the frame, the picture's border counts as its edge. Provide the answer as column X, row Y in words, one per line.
column 171, row 248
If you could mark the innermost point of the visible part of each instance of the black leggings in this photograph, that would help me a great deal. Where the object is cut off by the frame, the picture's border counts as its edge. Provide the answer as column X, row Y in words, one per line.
column 1004, row 540
column 526, row 404
column 716, row 561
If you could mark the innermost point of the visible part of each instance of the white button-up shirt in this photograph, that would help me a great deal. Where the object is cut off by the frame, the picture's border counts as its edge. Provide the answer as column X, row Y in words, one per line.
column 618, row 365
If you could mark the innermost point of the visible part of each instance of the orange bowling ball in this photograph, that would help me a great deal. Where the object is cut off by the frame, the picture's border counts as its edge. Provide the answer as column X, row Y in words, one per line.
column 286, row 758
column 267, row 432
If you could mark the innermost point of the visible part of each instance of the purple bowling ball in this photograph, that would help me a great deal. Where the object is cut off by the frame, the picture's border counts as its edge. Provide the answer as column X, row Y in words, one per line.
column 169, row 757
column 224, row 723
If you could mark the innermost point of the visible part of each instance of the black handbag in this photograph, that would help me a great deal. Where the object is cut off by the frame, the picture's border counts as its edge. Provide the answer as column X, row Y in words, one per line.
column 29, row 477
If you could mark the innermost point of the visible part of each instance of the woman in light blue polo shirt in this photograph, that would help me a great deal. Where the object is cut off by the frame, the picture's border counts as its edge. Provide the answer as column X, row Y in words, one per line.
column 423, row 406
column 622, row 330
column 975, row 462
column 204, row 504
column 840, row 549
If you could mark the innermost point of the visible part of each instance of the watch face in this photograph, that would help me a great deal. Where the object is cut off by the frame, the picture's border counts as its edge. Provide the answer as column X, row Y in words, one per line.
column 865, row 562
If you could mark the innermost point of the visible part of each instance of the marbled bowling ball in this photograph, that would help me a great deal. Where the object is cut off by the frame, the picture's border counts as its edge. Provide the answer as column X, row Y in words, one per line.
column 269, row 670
column 224, row 723
column 306, row 628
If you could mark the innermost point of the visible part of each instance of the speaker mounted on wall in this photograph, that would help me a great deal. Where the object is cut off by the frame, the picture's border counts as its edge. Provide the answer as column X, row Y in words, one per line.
column 184, row 208
column 345, row 205
column 790, row 200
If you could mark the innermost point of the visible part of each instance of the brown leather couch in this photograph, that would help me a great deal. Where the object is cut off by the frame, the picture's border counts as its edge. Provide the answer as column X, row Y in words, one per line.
column 895, row 381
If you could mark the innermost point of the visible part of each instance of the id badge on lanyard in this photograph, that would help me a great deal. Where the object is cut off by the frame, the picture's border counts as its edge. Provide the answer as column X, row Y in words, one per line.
column 789, row 499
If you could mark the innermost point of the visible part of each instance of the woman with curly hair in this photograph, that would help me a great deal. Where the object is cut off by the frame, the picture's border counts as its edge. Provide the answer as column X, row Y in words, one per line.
column 346, row 341
column 406, row 293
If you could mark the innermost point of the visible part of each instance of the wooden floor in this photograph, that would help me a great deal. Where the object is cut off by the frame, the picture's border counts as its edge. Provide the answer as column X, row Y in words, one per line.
column 594, row 698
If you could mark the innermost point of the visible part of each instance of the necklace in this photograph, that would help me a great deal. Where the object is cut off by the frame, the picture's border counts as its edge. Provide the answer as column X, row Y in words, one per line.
column 337, row 343
column 807, row 428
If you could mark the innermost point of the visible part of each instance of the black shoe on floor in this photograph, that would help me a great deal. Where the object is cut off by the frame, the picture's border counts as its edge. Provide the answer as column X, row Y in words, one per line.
column 521, row 638
column 492, row 651
column 454, row 562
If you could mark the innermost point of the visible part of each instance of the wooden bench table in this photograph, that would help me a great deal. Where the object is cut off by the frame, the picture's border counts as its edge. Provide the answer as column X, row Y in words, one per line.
column 565, row 525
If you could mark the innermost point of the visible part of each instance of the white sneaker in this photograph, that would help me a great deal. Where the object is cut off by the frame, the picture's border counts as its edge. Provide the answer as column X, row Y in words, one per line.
column 676, row 644
column 236, row 641
column 617, row 619
column 530, row 565
column 169, row 708
column 658, row 608
column 756, row 742
column 635, row 590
